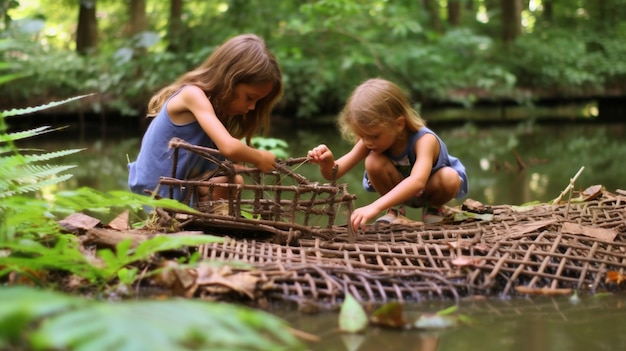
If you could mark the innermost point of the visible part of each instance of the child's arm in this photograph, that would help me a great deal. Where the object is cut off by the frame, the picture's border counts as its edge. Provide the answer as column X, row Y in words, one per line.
column 427, row 151
column 322, row 155
column 426, row 154
column 192, row 104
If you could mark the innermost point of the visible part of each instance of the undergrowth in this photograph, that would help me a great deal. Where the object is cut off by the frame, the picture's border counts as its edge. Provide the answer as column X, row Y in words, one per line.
column 37, row 255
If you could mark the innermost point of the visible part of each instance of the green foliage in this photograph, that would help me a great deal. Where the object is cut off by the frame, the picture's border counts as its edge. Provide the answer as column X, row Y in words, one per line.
column 325, row 49
column 65, row 256
column 276, row 146
column 33, row 246
column 124, row 254
column 45, row 320
column 22, row 173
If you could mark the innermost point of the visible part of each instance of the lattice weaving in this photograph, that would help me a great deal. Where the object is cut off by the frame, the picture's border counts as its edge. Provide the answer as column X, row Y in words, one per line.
column 281, row 203
column 548, row 249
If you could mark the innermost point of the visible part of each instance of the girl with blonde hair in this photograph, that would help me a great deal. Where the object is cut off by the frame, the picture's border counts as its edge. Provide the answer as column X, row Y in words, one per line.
column 405, row 162
column 227, row 98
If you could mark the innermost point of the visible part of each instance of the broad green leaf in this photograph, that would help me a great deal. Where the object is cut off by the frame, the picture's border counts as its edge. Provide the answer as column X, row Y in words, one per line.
column 164, row 325
column 352, row 316
column 19, row 306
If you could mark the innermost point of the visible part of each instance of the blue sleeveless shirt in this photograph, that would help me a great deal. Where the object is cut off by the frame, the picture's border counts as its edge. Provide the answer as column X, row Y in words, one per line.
column 405, row 161
column 155, row 158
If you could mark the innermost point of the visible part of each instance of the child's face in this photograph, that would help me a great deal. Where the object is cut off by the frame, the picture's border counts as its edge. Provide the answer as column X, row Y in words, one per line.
column 377, row 138
column 247, row 96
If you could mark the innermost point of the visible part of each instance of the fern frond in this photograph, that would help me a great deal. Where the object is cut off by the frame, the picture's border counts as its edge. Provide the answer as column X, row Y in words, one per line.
column 6, row 149
column 27, row 133
column 17, row 189
column 27, row 159
column 25, row 111
column 39, row 172
column 26, row 173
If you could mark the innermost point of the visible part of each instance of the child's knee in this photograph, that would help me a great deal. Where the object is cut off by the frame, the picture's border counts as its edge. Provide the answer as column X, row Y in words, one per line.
column 239, row 179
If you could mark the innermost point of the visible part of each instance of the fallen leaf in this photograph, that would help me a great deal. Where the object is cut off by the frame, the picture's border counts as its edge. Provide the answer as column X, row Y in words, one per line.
column 592, row 192
column 242, row 282
column 77, row 221
column 352, row 316
column 389, row 315
column 530, row 227
column 598, row 233
column 467, row 261
column 614, row 277
column 120, row 222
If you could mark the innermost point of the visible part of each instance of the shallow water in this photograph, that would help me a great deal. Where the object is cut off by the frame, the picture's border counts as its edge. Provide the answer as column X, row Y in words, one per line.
column 506, row 165
column 537, row 324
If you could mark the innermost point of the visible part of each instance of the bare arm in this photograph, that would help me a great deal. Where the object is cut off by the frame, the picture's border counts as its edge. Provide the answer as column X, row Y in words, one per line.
column 323, row 156
column 427, row 150
column 192, row 104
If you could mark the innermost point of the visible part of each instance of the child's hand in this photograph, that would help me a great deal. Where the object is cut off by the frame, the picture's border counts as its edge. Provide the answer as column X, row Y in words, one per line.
column 266, row 162
column 321, row 154
column 362, row 215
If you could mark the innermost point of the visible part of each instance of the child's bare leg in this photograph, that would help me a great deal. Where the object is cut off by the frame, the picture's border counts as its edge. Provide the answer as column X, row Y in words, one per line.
column 219, row 192
column 382, row 174
column 442, row 186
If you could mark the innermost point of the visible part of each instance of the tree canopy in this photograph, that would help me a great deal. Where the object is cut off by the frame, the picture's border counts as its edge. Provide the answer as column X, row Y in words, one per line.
column 441, row 51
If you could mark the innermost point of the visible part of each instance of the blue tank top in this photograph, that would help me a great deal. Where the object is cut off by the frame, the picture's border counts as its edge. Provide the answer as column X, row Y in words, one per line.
column 155, row 157
column 404, row 162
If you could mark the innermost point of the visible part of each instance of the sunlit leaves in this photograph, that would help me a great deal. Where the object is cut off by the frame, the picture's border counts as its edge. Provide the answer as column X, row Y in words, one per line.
column 276, row 146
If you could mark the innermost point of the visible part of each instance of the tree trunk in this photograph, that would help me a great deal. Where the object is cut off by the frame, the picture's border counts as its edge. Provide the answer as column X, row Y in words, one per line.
column 432, row 6
column 454, row 12
column 87, row 30
column 548, row 10
column 175, row 28
column 511, row 19
column 138, row 18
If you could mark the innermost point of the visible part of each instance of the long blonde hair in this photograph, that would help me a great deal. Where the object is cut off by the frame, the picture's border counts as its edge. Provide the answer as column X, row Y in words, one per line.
column 377, row 102
column 242, row 59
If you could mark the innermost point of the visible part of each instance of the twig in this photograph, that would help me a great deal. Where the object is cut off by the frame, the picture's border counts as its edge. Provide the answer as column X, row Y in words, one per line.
column 569, row 187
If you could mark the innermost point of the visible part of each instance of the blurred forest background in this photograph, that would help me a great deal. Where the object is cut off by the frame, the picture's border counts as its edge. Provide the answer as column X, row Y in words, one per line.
column 443, row 52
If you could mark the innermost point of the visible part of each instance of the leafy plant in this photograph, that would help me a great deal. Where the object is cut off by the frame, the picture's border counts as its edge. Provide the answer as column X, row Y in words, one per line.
column 277, row 146
column 21, row 173
column 35, row 251
column 45, row 320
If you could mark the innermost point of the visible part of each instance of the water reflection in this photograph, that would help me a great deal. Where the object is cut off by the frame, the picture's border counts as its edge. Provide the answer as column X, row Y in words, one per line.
column 538, row 324
column 505, row 164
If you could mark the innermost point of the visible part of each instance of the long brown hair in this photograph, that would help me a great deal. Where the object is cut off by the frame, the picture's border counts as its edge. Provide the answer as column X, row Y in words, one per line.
column 377, row 102
column 242, row 59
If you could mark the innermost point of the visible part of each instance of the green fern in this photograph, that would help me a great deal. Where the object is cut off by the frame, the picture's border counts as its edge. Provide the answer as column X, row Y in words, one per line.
column 27, row 133
column 23, row 171
column 28, row 110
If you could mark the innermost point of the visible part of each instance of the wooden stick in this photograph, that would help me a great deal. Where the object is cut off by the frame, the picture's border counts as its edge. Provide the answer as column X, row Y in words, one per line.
column 569, row 187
